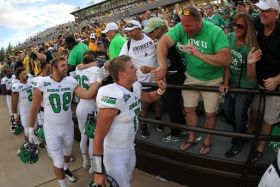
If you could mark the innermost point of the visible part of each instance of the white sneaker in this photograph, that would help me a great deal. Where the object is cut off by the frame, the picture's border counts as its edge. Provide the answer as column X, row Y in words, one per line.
column 72, row 159
column 70, row 176
column 86, row 164
column 90, row 170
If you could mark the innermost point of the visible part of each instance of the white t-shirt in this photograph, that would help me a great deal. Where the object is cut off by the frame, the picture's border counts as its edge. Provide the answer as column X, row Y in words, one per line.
column 25, row 95
column 57, row 98
column 125, row 124
column 143, row 53
column 85, row 77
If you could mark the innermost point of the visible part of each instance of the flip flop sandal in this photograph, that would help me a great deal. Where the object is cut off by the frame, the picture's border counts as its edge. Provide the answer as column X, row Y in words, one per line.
column 257, row 156
column 184, row 147
column 204, row 148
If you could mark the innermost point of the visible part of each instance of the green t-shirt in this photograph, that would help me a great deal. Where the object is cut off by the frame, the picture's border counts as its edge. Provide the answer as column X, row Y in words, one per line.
column 239, row 61
column 76, row 55
column 209, row 40
column 216, row 19
column 116, row 45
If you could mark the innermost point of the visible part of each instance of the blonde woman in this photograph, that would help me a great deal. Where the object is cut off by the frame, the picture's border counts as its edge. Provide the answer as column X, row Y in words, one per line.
column 240, row 74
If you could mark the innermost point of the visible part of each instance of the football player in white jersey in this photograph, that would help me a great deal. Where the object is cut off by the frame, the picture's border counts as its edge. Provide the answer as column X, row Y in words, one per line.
column 6, row 84
column 22, row 98
column 271, row 177
column 56, row 91
column 45, row 71
column 119, row 105
column 86, row 106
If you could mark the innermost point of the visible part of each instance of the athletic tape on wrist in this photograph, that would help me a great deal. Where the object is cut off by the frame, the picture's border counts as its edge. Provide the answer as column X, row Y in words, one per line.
column 31, row 130
column 160, row 92
column 97, row 164
column 15, row 115
column 99, row 80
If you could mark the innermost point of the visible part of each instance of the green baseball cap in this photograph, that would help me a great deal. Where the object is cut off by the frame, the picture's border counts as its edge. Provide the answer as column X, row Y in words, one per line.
column 152, row 24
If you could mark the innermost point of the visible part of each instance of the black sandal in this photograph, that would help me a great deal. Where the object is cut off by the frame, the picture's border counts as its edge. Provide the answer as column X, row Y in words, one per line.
column 257, row 156
column 187, row 144
column 205, row 149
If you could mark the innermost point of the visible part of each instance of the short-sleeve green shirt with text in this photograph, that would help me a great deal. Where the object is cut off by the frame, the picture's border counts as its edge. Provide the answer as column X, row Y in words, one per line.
column 209, row 40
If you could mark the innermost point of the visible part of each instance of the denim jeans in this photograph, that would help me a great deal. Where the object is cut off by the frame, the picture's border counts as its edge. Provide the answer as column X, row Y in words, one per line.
column 236, row 108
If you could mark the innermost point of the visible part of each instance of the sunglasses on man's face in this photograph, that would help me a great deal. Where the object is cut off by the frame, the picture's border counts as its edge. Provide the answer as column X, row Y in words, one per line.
column 239, row 26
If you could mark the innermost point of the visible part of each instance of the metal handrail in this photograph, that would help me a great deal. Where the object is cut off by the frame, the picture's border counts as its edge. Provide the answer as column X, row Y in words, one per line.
column 208, row 131
column 256, row 137
column 216, row 89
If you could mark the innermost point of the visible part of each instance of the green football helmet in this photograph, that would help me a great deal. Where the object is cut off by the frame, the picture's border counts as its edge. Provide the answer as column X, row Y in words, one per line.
column 275, row 145
column 90, row 125
column 28, row 153
column 39, row 132
column 16, row 128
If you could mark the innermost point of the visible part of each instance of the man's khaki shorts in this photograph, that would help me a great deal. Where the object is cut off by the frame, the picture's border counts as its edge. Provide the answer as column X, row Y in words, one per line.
column 272, row 108
column 210, row 99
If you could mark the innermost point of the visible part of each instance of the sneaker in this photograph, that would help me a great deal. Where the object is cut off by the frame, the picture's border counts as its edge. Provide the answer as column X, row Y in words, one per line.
column 233, row 151
column 144, row 131
column 86, row 164
column 160, row 128
column 90, row 170
column 170, row 139
column 72, row 159
column 70, row 176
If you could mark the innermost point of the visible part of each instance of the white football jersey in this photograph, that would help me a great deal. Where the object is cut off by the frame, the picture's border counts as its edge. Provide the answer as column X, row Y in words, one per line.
column 125, row 124
column 14, row 80
column 4, row 80
column 35, row 81
column 57, row 98
column 8, row 82
column 85, row 77
column 25, row 94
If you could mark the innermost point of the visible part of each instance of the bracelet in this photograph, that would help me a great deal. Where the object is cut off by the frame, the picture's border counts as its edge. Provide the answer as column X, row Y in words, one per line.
column 97, row 164
column 160, row 92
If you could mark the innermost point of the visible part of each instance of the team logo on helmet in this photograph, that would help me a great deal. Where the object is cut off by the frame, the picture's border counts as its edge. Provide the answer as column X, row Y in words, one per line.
column 90, row 125
column 16, row 128
column 28, row 153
